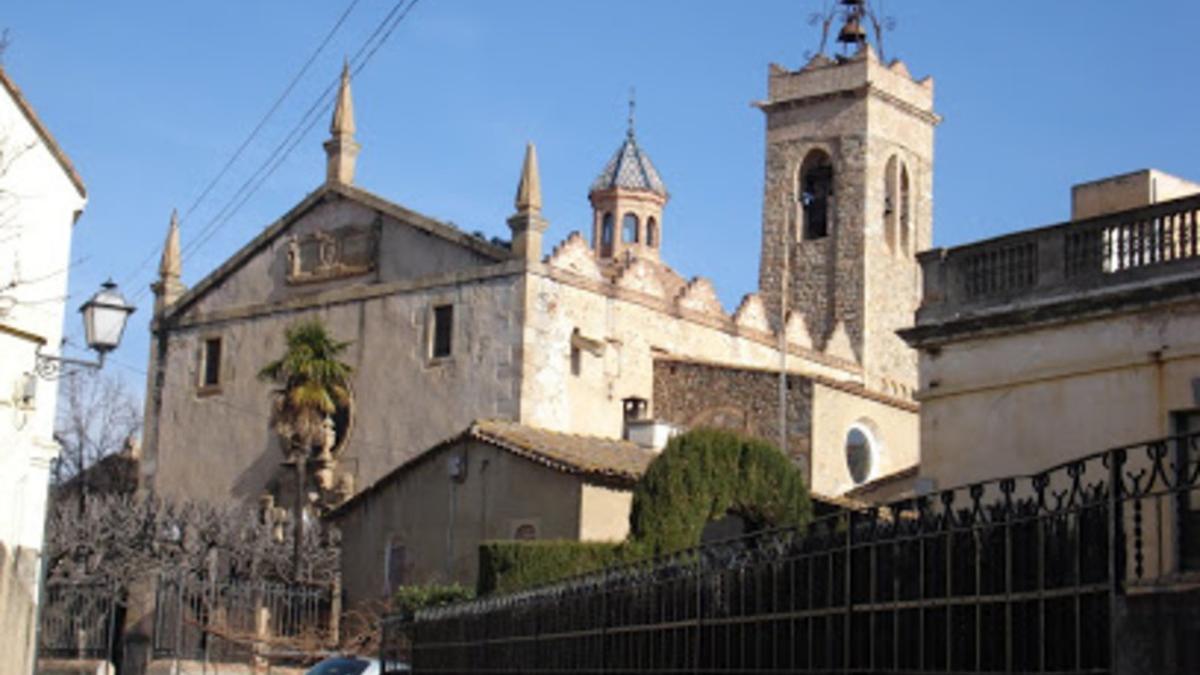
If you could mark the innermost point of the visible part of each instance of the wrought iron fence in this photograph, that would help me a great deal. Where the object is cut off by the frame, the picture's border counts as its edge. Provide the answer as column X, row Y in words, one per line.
column 235, row 621
column 1020, row 575
column 79, row 620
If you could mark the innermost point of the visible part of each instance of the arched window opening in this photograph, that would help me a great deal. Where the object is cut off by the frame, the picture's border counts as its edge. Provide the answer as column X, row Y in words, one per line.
column 890, row 210
column 860, row 453
column 905, row 210
column 606, row 235
column 652, row 232
column 816, row 194
column 629, row 229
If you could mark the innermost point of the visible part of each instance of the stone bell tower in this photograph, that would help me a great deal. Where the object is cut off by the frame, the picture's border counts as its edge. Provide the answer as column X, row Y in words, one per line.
column 847, row 199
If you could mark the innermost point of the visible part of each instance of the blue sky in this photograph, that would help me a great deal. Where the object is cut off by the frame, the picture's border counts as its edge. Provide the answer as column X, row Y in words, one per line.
column 150, row 99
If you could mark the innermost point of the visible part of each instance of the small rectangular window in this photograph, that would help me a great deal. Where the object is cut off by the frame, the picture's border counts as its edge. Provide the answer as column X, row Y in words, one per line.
column 395, row 562
column 210, row 375
column 443, row 330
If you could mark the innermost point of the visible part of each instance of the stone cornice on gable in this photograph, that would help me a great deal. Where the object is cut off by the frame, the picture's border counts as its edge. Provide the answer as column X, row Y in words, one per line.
column 311, row 201
column 721, row 322
column 348, row 294
column 52, row 145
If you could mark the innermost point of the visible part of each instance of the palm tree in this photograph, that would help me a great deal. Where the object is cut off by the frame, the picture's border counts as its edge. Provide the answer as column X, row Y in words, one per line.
column 313, row 384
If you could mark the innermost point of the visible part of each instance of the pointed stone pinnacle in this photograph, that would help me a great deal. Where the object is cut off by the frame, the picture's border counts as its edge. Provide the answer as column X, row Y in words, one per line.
column 171, row 265
column 343, row 115
column 529, row 190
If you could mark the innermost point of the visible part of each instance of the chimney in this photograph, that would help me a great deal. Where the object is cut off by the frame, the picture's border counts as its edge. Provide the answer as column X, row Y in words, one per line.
column 641, row 429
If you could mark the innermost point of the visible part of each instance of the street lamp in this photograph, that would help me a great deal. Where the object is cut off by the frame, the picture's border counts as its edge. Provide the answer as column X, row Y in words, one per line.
column 104, row 317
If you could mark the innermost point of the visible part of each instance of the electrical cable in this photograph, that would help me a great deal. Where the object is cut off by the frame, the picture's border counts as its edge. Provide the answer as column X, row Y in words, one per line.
column 254, row 133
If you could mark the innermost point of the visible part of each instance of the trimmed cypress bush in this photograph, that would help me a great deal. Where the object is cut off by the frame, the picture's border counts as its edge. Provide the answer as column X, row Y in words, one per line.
column 701, row 476
column 705, row 474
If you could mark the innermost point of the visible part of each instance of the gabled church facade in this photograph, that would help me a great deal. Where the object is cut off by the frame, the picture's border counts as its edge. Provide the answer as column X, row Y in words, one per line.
column 446, row 328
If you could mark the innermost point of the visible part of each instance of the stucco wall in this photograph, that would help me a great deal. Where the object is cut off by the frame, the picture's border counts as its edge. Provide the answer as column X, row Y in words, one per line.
column 38, row 208
column 893, row 428
column 634, row 331
column 604, row 513
column 1019, row 402
column 441, row 522
column 404, row 402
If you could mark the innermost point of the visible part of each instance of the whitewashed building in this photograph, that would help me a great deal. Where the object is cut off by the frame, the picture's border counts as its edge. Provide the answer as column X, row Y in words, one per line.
column 41, row 197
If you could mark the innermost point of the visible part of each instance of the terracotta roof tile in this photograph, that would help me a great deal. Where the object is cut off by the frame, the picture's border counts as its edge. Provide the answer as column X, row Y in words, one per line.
column 608, row 458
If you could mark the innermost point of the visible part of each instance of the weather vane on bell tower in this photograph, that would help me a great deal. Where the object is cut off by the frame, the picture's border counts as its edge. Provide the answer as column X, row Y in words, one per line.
column 853, row 15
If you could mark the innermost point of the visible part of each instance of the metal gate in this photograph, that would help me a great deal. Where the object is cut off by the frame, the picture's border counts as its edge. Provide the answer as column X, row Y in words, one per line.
column 1021, row 575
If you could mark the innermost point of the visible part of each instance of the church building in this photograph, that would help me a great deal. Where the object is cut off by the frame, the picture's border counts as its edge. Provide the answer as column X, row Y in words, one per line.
column 587, row 336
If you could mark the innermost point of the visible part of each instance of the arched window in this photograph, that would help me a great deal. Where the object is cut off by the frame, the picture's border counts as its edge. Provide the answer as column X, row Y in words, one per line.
column 525, row 532
column 890, row 210
column 606, row 235
column 652, row 232
column 629, row 228
column 905, row 210
column 860, row 453
column 815, row 193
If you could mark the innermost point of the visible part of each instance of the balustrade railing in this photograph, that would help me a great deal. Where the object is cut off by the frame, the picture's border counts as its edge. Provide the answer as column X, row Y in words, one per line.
column 1107, row 250
column 1021, row 574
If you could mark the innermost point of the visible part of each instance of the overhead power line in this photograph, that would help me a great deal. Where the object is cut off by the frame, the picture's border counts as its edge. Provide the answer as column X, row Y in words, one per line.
column 321, row 105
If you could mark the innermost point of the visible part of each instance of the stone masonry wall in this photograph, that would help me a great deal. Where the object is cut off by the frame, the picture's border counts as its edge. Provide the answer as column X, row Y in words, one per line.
column 697, row 394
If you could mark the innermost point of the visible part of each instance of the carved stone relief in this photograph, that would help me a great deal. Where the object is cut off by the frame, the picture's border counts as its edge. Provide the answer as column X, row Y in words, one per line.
column 332, row 254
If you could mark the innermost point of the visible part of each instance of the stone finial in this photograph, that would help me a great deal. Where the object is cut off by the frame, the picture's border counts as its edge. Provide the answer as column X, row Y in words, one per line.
column 529, row 190
column 171, row 264
column 169, row 286
column 341, row 150
column 527, row 223
column 342, row 123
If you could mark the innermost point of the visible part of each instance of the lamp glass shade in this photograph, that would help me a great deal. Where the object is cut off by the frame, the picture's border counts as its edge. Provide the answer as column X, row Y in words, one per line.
column 104, row 317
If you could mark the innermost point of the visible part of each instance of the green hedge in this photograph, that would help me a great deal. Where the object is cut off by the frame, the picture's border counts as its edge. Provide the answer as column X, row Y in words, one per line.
column 408, row 599
column 509, row 566
column 703, row 475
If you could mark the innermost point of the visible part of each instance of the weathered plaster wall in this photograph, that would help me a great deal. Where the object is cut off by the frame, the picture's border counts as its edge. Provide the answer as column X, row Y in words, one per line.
column 38, row 208
column 217, row 446
column 604, row 513
column 894, row 427
column 403, row 251
column 441, row 522
column 1019, row 402
column 634, row 330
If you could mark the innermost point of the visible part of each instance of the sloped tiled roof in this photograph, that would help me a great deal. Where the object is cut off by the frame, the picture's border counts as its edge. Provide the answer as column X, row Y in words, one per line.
column 608, row 458
column 630, row 168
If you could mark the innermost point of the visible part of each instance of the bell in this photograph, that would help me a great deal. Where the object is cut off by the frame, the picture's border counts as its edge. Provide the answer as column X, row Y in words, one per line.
column 852, row 32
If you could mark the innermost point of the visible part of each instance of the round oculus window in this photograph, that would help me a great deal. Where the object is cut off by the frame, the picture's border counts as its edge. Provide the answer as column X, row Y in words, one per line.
column 858, row 454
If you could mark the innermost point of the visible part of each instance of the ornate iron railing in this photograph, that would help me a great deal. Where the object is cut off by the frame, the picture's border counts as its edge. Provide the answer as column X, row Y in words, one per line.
column 79, row 620
column 1020, row 575
column 239, row 620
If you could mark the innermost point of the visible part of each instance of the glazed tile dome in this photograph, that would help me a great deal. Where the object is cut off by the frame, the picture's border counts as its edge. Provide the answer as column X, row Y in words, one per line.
column 631, row 169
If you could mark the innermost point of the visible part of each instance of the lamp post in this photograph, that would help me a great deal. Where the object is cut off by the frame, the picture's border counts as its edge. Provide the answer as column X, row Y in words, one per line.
column 104, row 318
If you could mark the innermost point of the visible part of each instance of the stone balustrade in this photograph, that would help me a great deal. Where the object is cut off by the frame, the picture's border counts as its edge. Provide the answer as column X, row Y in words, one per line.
column 1149, row 244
